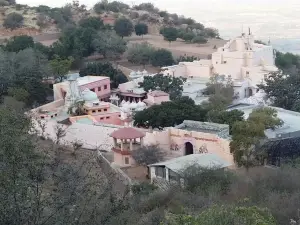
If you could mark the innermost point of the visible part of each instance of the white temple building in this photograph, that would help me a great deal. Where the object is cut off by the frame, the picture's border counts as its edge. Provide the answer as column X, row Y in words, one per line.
column 241, row 58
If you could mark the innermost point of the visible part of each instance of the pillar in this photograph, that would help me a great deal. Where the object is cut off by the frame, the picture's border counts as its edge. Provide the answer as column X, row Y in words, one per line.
column 131, row 148
column 142, row 141
column 115, row 142
column 121, row 145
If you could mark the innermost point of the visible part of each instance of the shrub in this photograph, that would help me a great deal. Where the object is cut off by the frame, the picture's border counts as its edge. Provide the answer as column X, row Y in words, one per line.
column 199, row 40
column 162, row 57
column 148, row 155
column 4, row 3
column 13, row 21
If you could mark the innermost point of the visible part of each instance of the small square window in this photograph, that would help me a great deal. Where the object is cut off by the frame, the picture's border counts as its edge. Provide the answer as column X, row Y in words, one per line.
column 55, row 114
column 42, row 117
column 99, row 88
column 105, row 110
column 247, row 72
column 119, row 115
column 99, row 110
column 224, row 62
column 105, row 86
column 101, row 118
column 93, row 111
column 107, row 117
column 126, row 160
column 93, row 89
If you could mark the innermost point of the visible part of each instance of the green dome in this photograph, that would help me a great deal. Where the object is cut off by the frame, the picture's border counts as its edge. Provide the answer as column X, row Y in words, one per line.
column 89, row 95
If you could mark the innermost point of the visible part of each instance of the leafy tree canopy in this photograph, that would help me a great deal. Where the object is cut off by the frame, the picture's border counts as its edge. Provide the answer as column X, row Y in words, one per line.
column 92, row 22
column 141, row 29
column 170, row 34
column 169, row 114
column 25, row 70
column 283, row 89
column 168, row 84
column 199, row 40
column 18, row 43
column 248, row 134
column 140, row 53
column 225, row 117
column 104, row 69
column 148, row 155
column 123, row 27
column 110, row 45
column 13, row 21
column 162, row 57
column 60, row 67
column 220, row 91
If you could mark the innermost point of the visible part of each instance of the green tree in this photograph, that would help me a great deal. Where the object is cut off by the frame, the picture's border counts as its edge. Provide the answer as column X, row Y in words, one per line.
column 140, row 53
column 104, row 69
column 162, row 57
column 13, row 21
column 188, row 37
column 248, row 135
column 267, row 116
column 25, row 70
column 168, row 84
column 60, row 67
column 148, row 155
column 19, row 94
column 169, row 114
column 110, row 45
column 18, row 43
column 225, row 117
column 211, row 32
column 220, row 91
column 91, row 22
column 123, row 27
column 170, row 34
column 199, row 40
column 287, row 61
column 282, row 89
column 100, row 6
column 141, row 29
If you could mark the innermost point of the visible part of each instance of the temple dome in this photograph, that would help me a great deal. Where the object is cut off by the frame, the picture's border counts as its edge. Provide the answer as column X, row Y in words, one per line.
column 133, row 105
column 141, row 104
column 145, row 73
column 89, row 96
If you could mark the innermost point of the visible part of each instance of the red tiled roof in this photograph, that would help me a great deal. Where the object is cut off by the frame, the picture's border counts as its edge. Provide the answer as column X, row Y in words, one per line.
column 127, row 133
column 158, row 93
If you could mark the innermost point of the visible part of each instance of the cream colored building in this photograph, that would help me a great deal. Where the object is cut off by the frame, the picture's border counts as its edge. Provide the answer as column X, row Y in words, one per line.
column 241, row 58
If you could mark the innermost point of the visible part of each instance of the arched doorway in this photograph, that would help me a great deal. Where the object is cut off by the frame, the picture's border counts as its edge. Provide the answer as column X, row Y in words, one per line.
column 189, row 148
column 250, row 92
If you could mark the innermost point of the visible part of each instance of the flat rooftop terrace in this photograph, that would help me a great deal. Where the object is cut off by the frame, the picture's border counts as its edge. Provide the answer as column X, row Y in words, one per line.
column 291, row 119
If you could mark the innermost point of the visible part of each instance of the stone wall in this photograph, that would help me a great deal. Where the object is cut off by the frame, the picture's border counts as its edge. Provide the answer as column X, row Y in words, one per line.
column 120, row 181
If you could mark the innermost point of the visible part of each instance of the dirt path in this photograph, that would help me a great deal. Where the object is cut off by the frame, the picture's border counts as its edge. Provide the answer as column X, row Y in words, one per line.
column 179, row 48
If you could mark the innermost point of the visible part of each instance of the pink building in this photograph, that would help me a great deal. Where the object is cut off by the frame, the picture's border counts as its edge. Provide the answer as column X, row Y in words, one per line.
column 98, row 84
column 102, row 112
column 126, row 140
column 156, row 98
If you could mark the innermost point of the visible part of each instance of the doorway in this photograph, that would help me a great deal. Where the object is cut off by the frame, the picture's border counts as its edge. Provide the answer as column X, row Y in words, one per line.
column 189, row 148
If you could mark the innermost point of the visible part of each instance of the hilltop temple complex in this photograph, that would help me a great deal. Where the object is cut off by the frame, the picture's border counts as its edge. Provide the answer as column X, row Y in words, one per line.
column 101, row 118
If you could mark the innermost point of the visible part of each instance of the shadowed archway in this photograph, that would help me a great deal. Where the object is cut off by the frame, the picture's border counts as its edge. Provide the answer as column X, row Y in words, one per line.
column 189, row 148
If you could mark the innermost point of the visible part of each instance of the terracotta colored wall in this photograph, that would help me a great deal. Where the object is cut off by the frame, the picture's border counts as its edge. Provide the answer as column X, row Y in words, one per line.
column 114, row 118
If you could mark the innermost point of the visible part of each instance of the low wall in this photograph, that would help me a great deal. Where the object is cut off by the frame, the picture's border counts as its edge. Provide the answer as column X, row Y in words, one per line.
column 125, row 70
column 50, row 106
column 120, row 181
